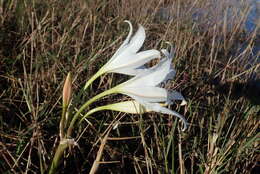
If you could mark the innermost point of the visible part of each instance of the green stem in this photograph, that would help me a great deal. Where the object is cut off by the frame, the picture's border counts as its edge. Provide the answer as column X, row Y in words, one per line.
column 83, row 107
column 62, row 121
column 58, row 154
column 101, row 108
column 94, row 77
column 138, row 109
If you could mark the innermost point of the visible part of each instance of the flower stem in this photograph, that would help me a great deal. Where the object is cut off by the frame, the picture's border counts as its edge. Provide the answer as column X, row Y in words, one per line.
column 62, row 121
column 84, row 106
column 58, row 154
column 94, row 77
column 101, row 108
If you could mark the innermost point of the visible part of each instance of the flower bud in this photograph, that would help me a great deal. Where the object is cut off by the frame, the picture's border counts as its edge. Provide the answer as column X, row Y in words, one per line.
column 67, row 90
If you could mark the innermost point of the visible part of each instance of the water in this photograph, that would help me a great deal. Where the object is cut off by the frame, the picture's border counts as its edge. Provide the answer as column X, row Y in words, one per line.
column 230, row 12
column 218, row 12
column 253, row 17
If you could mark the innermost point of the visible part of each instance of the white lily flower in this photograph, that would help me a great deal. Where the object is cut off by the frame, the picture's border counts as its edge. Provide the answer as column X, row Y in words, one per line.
column 130, row 107
column 133, row 107
column 144, row 88
column 127, row 59
column 146, row 85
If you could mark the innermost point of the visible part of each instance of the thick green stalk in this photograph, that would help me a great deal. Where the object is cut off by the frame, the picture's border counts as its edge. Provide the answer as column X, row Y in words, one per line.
column 132, row 107
column 62, row 121
column 83, row 107
column 101, row 108
column 94, row 77
column 56, row 159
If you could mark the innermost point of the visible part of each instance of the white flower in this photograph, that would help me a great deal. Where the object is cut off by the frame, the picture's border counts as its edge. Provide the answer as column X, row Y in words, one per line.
column 127, row 60
column 146, row 85
column 133, row 107
column 145, row 90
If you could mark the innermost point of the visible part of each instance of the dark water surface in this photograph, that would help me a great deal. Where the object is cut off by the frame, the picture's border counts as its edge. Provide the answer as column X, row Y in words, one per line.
column 218, row 12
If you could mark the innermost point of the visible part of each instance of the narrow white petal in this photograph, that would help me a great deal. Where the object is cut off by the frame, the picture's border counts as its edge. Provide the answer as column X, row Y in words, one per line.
column 152, row 76
column 170, row 75
column 165, row 52
column 124, row 44
column 127, row 59
column 133, row 61
column 168, row 54
column 128, row 71
column 156, row 107
column 137, row 40
column 174, row 95
column 143, row 57
column 129, row 34
column 132, row 107
column 126, row 41
column 147, row 93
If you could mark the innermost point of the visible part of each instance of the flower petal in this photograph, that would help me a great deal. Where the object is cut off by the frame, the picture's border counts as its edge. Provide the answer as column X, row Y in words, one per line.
column 147, row 93
column 156, row 107
column 132, row 107
column 153, row 76
column 137, row 40
column 133, row 45
column 125, row 43
column 129, row 34
column 170, row 56
column 133, row 61
column 169, row 76
column 174, row 95
column 165, row 52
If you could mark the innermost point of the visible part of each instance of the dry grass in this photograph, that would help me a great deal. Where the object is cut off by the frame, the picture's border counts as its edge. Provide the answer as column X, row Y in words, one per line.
column 41, row 41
